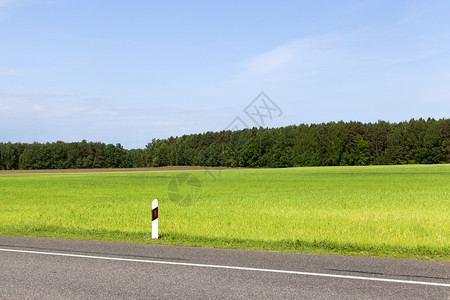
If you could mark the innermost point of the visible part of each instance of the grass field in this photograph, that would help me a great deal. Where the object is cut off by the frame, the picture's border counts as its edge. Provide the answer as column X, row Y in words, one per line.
column 400, row 211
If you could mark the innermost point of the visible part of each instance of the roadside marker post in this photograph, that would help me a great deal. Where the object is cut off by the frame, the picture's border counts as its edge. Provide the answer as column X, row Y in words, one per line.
column 155, row 219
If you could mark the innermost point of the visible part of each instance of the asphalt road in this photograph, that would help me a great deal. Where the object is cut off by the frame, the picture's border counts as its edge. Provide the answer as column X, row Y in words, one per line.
column 42, row 268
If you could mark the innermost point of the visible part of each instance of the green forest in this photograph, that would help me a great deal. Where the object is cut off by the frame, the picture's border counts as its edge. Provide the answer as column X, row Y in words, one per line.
column 326, row 144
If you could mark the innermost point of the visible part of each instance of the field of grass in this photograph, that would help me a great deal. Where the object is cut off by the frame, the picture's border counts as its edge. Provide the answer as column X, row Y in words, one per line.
column 399, row 211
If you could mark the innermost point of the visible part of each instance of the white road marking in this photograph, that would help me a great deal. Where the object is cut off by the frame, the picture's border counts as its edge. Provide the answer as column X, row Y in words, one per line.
column 227, row 267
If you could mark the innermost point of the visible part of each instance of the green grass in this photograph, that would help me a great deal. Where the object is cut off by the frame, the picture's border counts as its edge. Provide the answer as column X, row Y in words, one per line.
column 397, row 211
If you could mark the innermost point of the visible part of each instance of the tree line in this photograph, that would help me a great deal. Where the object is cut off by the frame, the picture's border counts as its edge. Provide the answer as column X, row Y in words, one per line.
column 61, row 155
column 327, row 144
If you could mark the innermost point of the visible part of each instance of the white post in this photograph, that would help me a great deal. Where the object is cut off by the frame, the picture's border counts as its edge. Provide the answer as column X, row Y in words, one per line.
column 155, row 219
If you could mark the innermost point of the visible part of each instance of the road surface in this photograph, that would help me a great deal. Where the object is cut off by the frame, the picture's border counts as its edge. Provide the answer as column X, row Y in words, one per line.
column 43, row 268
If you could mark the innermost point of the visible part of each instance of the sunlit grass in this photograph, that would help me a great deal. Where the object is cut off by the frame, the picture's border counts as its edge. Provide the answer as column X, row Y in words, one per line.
column 376, row 210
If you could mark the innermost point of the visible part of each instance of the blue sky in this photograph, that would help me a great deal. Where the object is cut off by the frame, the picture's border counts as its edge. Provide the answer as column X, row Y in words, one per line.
column 129, row 71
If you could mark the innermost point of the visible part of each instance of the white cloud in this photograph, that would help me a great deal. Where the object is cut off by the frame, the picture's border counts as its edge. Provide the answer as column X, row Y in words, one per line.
column 354, row 52
column 303, row 55
column 28, row 118
column 420, row 9
column 376, row 73
column 4, row 4
column 15, row 71
column 273, row 60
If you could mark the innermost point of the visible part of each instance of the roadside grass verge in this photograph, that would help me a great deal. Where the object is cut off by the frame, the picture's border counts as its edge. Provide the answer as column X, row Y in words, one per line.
column 396, row 211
